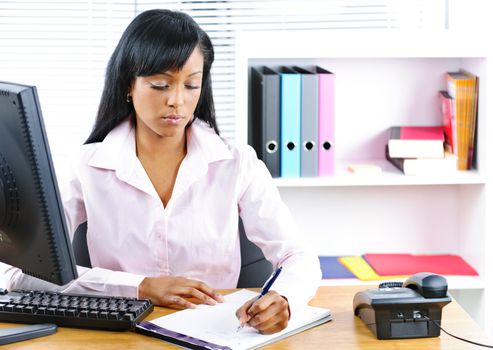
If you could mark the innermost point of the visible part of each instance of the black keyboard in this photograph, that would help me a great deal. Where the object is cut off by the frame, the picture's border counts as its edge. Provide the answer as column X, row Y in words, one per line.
column 71, row 310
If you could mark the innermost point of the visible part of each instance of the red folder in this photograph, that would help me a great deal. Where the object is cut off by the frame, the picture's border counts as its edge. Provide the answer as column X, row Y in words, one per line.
column 408, row 264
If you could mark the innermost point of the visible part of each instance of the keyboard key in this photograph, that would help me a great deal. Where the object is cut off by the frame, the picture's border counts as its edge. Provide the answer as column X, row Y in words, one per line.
column 71, row 312
column 29, row 309
column 60, row 312
column 128, row 317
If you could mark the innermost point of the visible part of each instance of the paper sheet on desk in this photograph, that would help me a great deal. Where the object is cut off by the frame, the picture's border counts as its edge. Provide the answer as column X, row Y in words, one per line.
column 216, row 325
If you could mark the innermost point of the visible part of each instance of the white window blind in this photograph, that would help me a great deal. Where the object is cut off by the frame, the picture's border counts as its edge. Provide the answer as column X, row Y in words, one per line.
column 62, row 47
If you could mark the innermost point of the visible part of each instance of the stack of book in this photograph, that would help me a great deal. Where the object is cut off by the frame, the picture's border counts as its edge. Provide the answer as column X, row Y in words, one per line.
column 419, row 150
column 459, row 106
column 380, row 266
column 291, row 120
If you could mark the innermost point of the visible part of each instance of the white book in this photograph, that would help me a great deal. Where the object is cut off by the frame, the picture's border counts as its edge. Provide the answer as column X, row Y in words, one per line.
column 215, row 326
column 426, row 166
column 416, row 142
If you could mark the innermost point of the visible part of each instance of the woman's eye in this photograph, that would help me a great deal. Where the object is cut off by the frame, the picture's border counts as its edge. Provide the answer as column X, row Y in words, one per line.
column 192, row 87
column 159, row 86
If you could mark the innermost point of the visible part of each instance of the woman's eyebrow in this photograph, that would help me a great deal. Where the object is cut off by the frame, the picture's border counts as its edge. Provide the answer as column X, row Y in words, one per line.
column 194, row 73
column 171, row 75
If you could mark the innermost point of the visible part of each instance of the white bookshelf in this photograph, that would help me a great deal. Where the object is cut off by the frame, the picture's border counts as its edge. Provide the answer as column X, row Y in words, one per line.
column 383, row 79
column 455, row 283
column 390, row 176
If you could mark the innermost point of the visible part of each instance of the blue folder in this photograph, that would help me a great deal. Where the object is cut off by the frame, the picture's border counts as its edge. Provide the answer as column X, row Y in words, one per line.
column 290, row 123
column 332, row 268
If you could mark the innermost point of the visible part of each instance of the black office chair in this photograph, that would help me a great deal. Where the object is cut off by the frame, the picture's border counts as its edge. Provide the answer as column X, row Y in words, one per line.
column 255, row 269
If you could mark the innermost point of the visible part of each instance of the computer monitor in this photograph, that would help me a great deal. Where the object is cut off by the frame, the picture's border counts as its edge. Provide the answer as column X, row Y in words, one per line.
column 33, row 233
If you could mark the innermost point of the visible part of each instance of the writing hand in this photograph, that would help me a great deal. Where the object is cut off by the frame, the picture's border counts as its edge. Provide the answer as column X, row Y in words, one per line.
column 269, row 314
column 172, row 291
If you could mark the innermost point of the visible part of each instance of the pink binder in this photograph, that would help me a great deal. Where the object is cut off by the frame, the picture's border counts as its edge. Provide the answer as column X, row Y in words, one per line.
column 325, row 122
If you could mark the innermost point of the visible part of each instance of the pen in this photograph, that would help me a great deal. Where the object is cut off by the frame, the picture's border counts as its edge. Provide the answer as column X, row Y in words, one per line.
column 266, row 287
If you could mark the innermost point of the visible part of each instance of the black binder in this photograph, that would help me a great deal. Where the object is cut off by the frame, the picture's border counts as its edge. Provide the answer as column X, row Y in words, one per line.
column 264, row 117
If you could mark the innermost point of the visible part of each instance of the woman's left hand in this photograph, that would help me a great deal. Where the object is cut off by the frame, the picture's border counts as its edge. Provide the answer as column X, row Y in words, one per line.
column 269, row 314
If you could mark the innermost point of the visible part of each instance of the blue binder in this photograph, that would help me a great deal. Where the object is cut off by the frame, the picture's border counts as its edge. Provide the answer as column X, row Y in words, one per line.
column 290, row 122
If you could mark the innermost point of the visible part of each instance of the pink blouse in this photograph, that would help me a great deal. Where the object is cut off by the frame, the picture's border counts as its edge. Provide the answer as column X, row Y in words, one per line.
column 131, row 235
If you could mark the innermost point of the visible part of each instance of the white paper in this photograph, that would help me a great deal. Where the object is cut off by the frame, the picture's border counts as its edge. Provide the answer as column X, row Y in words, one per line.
column 217, row 324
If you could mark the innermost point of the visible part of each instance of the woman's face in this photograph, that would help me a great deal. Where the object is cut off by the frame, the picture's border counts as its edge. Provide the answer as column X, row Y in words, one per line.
column 164, row 103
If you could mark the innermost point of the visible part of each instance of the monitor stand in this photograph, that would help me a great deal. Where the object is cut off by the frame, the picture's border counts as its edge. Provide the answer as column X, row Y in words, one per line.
column 15, row 334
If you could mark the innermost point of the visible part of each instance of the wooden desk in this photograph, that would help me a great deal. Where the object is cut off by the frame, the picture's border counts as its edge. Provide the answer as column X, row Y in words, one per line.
column 344, row 332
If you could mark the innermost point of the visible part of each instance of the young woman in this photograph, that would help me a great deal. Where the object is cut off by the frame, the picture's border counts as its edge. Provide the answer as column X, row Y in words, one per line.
column 162, row 192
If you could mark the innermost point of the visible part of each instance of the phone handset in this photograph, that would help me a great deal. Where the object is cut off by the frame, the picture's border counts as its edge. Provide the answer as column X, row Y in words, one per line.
column 428, row 284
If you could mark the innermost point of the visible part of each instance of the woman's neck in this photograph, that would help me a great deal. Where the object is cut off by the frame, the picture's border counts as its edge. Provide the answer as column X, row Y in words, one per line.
column 158, row 147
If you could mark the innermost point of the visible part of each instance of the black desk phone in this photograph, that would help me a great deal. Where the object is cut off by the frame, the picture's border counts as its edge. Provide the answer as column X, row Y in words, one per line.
column 404, row 310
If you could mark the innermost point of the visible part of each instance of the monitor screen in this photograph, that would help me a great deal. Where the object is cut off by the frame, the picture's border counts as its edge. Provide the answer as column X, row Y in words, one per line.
column 33, row 233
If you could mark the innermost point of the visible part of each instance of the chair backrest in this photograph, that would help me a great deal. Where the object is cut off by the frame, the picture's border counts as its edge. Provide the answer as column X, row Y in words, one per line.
column 255, row 269
column 79, row 244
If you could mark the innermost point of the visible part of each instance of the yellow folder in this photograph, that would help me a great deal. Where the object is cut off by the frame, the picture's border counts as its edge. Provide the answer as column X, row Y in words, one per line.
column 362, row 270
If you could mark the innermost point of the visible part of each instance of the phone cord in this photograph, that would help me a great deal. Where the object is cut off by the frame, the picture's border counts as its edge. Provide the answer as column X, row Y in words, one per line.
column 454, row 336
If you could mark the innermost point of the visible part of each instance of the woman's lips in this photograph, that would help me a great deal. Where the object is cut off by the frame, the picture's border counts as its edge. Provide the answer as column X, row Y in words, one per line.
column 173, row 116
column 173, row 119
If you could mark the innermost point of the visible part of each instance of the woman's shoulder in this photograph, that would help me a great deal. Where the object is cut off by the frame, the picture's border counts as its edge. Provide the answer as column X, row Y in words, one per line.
column 105, row 153
column 217, row 147
column 86, row 151
column 83, row 154
column 244, row 156
column 240, row 150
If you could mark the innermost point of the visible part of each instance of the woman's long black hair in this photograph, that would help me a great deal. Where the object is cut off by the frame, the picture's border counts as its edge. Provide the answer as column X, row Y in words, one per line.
column 154, row 42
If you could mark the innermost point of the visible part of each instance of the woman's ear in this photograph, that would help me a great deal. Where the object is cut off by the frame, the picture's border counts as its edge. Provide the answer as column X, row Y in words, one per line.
column 130, row 91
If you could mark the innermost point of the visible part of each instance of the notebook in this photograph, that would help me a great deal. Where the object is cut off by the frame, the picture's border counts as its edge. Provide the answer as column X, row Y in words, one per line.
column 215, row 327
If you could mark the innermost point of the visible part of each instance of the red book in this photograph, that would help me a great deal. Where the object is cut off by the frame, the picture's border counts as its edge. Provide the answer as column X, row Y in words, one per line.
column 416, row 142
column 408, row 264
column 449, row 122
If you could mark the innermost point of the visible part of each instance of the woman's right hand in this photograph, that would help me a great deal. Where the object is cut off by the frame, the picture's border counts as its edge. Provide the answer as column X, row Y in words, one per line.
column 172, row 291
